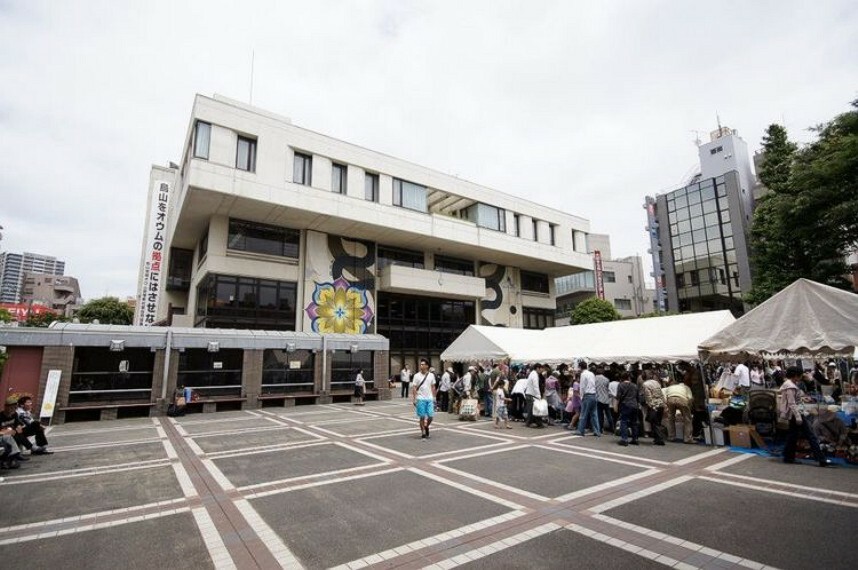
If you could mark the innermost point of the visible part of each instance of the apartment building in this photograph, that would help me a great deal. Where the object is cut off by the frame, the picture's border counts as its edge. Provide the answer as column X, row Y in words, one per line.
column 14, row 267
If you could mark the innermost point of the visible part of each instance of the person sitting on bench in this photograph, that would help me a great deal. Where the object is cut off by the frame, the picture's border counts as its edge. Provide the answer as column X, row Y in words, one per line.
column 32, row 427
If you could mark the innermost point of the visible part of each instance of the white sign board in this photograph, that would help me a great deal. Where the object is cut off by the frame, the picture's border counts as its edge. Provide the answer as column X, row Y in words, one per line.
column 155, row 255
column 50, row 399
column 294, row 364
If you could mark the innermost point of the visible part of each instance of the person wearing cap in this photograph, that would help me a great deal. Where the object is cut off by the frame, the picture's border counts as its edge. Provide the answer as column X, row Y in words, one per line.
column 468, row 382
column 10, row 436
column 444, row 390
column 789, row 410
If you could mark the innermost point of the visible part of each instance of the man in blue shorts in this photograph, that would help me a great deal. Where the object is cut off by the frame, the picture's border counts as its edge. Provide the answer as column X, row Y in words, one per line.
column 423, row 396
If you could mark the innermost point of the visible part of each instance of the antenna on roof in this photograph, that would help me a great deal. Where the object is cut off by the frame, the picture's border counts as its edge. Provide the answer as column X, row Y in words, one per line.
column 718, row 120
column 252, row 61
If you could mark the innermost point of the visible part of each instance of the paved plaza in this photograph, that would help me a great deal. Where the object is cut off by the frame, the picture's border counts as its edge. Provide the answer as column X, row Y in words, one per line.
column 356, row 487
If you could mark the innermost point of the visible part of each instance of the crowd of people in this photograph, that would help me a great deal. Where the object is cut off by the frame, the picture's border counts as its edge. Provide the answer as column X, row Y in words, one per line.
column 17, row 426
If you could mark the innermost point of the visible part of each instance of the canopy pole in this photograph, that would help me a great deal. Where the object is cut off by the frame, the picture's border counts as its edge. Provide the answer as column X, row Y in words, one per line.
column 706, row 403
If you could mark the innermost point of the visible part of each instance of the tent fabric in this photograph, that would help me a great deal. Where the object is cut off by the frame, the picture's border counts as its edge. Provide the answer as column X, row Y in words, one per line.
column 656, row 339
column 805, row 319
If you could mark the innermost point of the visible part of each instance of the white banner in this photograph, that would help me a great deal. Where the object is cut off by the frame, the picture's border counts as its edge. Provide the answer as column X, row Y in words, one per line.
column 50, row 399
column 155, row 253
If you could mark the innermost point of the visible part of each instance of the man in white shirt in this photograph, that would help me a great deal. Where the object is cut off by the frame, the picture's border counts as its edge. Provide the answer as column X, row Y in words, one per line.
column 531, row 392
column 423, row 397
column 518, row 399
column 742, row 376
column 404, row 380
column 444, row 390
column 589, row 403
column 468, row 381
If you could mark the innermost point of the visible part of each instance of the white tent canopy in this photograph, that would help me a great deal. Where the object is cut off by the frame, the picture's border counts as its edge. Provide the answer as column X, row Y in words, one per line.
column 805, row 319
column 657, row 339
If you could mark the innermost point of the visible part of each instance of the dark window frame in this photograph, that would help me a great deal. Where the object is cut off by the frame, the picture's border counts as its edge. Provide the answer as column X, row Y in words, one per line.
column 370, row 187
column 306, row 161
column 446, row 264
column 399, row 256
column 535, row 282
column 289, row 239
column 249, row 156
column 197, row 153
column 339, row 177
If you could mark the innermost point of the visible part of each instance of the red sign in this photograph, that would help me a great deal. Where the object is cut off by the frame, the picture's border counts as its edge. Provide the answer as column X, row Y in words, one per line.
column 20, row 311
column 600, row 283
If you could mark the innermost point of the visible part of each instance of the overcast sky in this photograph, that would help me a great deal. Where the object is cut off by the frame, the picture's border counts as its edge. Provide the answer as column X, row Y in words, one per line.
column 586, row 107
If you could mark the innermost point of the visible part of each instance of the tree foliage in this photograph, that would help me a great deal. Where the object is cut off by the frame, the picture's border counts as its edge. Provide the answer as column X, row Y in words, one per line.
column 5, row 316
column 42, row 319
column 108, row 311
column 808, row 222
column 594, row 310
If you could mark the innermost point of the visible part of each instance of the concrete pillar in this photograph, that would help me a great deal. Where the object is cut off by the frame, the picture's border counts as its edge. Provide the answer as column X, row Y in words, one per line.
column 57, row 358
column 379, row 374
column 324, row 395
column 251, row 377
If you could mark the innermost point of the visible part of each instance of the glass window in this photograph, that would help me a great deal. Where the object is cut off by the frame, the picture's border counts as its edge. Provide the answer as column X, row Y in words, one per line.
column 674, row 230
column 517, row 219
column 682, row 214
column 181, row 267
column 552, row 234
column 262, row 238
column 409, row 195
column 395, row 256
column 695, row 210
column 225, row 301
column 453, row 265
column 536, row 282
column 487, row 216
column 537, row 318
column 709, row 206
column 245, row 156
column 681, row 202
column 677, row 254
column 370, row 192
column 688, row 252
column 286, row 372
column 203, row 246
column 698, row 235
column 700, row 250
column 302, row 169
column 609, row 276
column 345, row 366
column 728, row 242
column 680, row 280
column 338, row 178
column 683, row 226
column 202, row 140
column 671, row 205
column 715, row 246
column 707, row 191
column 721, row 190
column 535, row 229
column 725, row 216
column 710, row 220
column 623, row 304
column 693, row 197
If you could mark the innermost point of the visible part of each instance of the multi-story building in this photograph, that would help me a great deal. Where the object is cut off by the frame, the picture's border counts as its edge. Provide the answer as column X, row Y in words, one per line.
column 60, row 293
column 699, row 233
column 267, row 225
column 622, row 283
column 14, row 266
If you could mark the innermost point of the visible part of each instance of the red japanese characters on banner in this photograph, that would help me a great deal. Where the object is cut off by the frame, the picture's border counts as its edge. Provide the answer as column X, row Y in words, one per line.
column 150, row 287
column 21, row 311
column 600, row 283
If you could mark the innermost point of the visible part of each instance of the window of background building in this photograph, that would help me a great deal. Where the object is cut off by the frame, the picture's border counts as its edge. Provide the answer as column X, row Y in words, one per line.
column 517, row 219
column 630, row 279
column 338, row 178
column 245, row 156
column 302, row 169
column 202, row 140
column 344, row 368
column 535, row 230
column 286, row 372
column 370, row 191
column 262, row 238
column 409, row 195
column 181, row 267
column 453, row 265
column 623, row 304
column 227, row 301
column 395, row 256
column 552, row 234
column 204, row 246
column 486, row 216
column 537, row 318
column 534, row 282
column 609, row 276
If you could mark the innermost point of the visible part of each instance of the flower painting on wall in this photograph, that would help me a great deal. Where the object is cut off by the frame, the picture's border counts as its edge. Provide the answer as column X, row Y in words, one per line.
column 340, row 307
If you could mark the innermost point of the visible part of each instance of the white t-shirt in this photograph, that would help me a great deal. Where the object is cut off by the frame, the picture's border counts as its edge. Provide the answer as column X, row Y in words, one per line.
column 756, row 377
column 500, row 398
column 612, row 388
column 466, row 382
column 519, row 386
column 445, row 382
column 588, row 383
column 424, row 392
column 532, row 388
column 405, row 375
column 742, row 376
column 359, row 381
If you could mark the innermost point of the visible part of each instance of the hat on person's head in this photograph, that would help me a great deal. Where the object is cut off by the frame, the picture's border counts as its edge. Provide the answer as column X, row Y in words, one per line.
column 474, row 368
column 11, row 401
column 450, row 369
column 832, row 364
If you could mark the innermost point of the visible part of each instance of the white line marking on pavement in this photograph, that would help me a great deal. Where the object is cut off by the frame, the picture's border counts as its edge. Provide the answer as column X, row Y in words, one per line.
column 802, row 488
column 598, row 509
column 626, row 460
column 269, row 538
column 607, row 485
column 309, row 477
column 732, row 461
column 357, row 449
column 218, row 475
column 227, row 453
column 803, row 495
column 700, row 456
column 303, row 486
column 467, row 489
column 86, row 472
column 626, row 456
column 486, row 481
column 211, row 537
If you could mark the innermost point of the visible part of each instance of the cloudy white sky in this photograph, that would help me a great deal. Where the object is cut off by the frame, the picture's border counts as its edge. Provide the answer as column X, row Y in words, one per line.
column 584, row 106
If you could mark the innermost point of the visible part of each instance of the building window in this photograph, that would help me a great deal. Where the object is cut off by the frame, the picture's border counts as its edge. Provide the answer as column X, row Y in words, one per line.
column 226, row 301
column 630, row 279
column 338, row 178
column 262, row 238
column 204, row 246
column 302, row 169
column 403, row 257
column 623, row 304
column 409, row 195
column 285, row 372
column 537, row 318
column 486, row 216
column 552, row 234
column 535, row 230
column 202, row 139
column 181, row 266
column 344, row 368
column 609, row 277
column 245, row 156
column 517, row 219
column 453, row 265
column 534, row 282
column 370, row 192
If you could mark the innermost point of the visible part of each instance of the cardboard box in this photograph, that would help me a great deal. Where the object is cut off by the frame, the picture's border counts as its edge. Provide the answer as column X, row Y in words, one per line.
column 740, row 436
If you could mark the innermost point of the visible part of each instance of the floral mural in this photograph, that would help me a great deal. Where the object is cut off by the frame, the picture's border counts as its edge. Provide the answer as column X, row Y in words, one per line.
column 340, row 307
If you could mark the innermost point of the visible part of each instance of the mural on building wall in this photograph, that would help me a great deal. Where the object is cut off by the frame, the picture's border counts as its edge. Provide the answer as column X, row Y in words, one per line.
column 339, row 285
column 495, row 307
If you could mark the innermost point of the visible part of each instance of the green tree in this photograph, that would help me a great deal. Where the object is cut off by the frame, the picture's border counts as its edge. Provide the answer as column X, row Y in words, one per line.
column 108, row 311
column 594, row 310
column 809, row 220
column 5, row 316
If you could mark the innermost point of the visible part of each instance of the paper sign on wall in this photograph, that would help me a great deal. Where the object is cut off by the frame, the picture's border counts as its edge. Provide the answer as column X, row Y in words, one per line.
column 294, row 364
column 51, row 389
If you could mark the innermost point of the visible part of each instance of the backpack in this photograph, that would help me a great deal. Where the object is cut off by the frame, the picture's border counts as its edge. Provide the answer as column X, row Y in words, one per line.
column 459, row 385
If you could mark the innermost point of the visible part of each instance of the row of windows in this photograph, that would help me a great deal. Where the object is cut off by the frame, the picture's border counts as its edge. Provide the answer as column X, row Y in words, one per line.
column 534, row 282
column 226, row 301
column 537, row 318
column 405, row 194
column 263, row 238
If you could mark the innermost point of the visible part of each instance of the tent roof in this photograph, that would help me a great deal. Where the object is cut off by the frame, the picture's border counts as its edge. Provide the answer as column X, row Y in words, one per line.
column 805, row 319
column 657, row 339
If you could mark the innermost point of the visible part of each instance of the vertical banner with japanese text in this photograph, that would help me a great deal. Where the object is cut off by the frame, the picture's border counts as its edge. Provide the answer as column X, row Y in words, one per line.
column 600, row 280
column 155, row 255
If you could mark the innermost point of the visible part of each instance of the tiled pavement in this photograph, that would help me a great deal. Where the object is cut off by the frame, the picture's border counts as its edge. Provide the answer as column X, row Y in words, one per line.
column 349, row 487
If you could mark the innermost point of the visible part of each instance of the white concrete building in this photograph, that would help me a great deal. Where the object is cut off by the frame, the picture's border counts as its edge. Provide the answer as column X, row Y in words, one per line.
column 622, row 281
column 267, row 225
